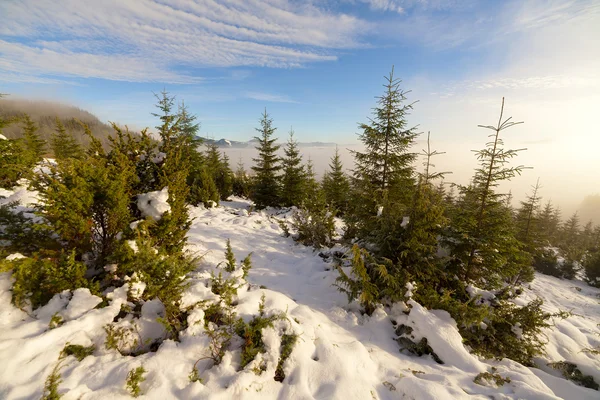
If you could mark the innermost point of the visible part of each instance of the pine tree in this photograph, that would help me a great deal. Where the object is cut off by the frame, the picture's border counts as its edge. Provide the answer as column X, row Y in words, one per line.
column 387, row 160
column 570, row 238
column 174, row 146
column 383, row 175
column 11, row 160
column 548, row 224
column 527, row 219
column 412, row 240
column 4, row 122
column 266, row 190
column 314, row 195
column 292, row 188
column 241, row 181
column 481, row 238
column 218, row 167
column 225, row 178
column 33, row 145
column 63, row 145
column 417, row 252
column 336, row 185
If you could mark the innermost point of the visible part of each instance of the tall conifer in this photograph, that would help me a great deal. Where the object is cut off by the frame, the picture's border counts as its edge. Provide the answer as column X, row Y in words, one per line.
column 292, row 188
column 63, row 145
column 336, row 185
column 383, row 174
column 481, row 238
column 267, row 182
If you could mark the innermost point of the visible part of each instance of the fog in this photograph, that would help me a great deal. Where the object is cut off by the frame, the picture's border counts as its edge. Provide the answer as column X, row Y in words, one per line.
column 559, row 184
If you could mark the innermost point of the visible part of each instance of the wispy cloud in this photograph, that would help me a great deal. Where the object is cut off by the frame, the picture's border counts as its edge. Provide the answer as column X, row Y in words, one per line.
column 166, row 40
column 273, row 98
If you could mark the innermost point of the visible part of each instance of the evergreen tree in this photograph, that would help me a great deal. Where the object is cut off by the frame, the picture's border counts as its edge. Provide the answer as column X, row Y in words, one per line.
column 292, row 188
column 63, row 145
column 548, row 223
column 218, row 167
column 383, row 175
column 587, row 237
column 336, row 185
column 266, row 190
column 174, row 166
column 33, row 145
column 480, row 237
column 225, row 178
column 570, row 241
column 12, row 162
column 527, row 220
column 4, row 122
column 241, row 181
column 314, row 195
column 419, row 244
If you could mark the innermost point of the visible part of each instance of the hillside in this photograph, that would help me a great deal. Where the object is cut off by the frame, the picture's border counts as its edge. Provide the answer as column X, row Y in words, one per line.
column 44, row 114
column 339, row 354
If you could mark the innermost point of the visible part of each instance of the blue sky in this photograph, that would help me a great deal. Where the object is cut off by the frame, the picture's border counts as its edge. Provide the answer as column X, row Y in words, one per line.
column 315, row 65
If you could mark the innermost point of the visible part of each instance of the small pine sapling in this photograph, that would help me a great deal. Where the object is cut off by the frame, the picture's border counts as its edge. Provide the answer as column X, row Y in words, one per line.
column 134, row 378
column 231, row 262
column 52, row 382
column 288, row 341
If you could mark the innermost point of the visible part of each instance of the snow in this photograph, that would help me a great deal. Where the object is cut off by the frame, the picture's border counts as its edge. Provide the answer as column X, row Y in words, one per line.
column 340, row 354
column 154, row 204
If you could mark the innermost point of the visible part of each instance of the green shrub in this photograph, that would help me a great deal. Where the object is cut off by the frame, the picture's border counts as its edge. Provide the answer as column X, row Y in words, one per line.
column 591, row 265
column 315, row 227
column 288, row 341
column 572, row 373
column 251, row 333
column 38, row 278
column 490, row 379
column 52, row 382
column 134, row 378
column 78, row 351
column 373, row 282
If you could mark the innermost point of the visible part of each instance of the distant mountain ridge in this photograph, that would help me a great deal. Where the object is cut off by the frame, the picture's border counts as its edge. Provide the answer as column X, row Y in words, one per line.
column 251, row 143
column 44, row 114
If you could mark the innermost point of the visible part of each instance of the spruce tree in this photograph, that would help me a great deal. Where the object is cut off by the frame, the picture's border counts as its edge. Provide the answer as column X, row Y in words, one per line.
column 33, row 145
column 241, row 181
column 419, row 245
column 4, row 122
column 336, row 185
column 527, row 219
column 225, row 178
column 202, row 187
column 570, row 235
column 217, row 165
column 63, row 145
column 383, row 175
column 292, row 188
column 174, row 165
column 267, row 182
column 481, row 238
column 547, row 224
column 11, row 160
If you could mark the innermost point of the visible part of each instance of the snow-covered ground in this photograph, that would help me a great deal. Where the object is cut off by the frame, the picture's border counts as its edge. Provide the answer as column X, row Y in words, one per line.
column 340, row 354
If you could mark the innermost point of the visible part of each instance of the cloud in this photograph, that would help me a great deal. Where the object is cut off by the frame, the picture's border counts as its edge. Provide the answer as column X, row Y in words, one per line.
column 273, row 98
column 385, row 5
column 167, row 40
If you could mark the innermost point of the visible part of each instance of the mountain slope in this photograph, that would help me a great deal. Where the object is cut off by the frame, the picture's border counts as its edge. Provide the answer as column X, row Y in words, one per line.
column 44, row 114
column 340, row 354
